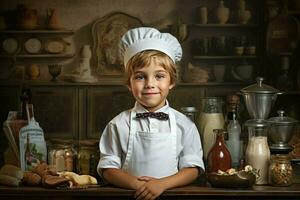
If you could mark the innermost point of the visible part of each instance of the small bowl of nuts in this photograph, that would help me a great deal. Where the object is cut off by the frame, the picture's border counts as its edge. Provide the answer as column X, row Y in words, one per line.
column 233, row 178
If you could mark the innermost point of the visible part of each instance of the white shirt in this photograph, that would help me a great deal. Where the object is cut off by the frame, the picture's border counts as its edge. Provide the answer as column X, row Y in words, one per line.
column 114, row 140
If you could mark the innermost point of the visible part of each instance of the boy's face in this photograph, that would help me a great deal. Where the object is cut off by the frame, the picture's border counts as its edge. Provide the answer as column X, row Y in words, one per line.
column 150, row 86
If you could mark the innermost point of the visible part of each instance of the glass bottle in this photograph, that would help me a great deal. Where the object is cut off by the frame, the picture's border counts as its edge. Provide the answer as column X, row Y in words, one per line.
column 257, row 151
column 280, row 170
column 233, row 143
column 219, row 156
column 25, row 99
column 28, row 155
column 211, row 117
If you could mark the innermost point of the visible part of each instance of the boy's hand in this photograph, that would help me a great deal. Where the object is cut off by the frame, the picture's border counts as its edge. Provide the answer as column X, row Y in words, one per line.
column 150, row 190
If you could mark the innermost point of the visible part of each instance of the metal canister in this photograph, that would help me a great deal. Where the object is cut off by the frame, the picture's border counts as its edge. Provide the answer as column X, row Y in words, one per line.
column 88, row 157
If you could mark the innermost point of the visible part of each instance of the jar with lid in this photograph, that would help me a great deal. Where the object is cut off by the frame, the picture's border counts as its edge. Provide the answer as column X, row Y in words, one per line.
column 280, row 170
column 88, row 157
column 190, row 112
column 211, row 117
column 61, row 155
column 257, row 151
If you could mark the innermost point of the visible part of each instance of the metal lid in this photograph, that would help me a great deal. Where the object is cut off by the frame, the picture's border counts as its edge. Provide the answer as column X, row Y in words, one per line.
column 282, row 119
column 258, row 123
column 259, row 87
column 188, row 109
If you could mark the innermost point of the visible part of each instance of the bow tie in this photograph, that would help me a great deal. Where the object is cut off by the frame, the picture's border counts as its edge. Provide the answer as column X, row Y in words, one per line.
column 157, row 115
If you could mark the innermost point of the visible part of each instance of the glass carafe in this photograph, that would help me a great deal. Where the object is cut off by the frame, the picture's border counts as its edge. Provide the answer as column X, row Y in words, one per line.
column 258, row 152
column 211, row 117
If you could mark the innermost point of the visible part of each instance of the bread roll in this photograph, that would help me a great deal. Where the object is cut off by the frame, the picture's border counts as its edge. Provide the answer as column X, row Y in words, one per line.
column 12, row 171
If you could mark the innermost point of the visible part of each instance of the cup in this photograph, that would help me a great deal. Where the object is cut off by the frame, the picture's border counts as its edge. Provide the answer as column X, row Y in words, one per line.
column 239, row 50
column 202, row 15
column 219, row 71
column 250, row 50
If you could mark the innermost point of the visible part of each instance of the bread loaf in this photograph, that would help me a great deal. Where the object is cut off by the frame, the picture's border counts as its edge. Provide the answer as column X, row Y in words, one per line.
column 9, row 180
column 12, row 171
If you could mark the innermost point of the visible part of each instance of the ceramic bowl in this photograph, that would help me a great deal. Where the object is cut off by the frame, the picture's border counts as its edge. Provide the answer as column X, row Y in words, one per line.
column 240, row 180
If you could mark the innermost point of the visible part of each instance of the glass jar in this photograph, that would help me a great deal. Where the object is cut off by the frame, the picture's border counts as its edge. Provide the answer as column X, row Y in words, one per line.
column 61, row 155
column 211, row 117
column 190, row 112
column 280, row 171
column 257, row 151
column 88, row 157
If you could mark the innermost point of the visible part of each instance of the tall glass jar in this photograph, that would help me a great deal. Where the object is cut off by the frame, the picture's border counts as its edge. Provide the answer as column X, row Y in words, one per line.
column 219, row 157
column 211, row 117
column 61, row 155
column 257, row 151
column 88, row 157
column 280, row 170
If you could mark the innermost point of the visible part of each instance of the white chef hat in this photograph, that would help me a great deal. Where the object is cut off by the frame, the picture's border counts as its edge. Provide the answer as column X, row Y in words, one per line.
column 145, row 38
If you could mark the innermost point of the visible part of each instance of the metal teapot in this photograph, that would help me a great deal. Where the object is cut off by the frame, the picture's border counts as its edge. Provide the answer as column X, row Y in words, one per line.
column 259, row 99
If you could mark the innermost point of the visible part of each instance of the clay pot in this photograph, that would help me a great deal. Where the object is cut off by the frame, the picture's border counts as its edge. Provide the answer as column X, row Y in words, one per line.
column 222, row 13
column 33, row 71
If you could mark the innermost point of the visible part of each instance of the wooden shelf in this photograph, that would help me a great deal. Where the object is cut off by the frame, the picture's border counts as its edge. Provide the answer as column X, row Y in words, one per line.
column 224, row 25
column 223, row 57
column 68, row 32
column 39, row 56
column 215, row 84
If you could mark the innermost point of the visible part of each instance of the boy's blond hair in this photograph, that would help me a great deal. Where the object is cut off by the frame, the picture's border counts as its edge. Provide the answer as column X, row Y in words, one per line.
column 144, row 58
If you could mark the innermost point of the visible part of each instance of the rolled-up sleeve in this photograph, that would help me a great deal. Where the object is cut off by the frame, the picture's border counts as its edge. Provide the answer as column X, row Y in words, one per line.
column 110, row 150
column 192, row 153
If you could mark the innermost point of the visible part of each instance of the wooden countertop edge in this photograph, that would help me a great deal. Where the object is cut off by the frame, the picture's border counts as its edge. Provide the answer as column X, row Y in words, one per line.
column 191, row 190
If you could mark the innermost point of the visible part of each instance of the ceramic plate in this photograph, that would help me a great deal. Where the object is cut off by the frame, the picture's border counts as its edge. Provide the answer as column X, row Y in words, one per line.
column 240, row 180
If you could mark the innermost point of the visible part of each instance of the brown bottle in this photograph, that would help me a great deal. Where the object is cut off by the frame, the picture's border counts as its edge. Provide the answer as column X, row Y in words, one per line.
column 218, row 157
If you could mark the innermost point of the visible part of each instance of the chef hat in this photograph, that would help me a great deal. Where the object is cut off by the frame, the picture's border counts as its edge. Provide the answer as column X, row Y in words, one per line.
column 144, row 38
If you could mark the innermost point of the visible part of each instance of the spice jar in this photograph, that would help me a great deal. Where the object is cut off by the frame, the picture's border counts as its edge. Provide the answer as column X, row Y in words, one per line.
column 88, row 157
column 280, row 171
column 61, row 155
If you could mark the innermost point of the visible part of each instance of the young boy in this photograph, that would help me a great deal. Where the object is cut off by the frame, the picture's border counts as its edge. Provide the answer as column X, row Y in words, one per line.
column 151, row 147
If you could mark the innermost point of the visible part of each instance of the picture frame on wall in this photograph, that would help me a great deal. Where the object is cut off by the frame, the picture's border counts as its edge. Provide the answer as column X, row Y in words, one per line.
column 107, row 32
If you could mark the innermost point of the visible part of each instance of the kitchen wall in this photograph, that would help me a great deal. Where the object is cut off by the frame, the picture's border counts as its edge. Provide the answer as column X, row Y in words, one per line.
column 78, row 15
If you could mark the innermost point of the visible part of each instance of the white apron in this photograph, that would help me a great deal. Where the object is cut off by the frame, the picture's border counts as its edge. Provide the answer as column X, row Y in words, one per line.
column 151, row 154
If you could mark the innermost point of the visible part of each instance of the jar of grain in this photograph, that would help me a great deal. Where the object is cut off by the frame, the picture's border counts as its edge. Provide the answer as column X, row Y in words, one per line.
column 280, row 171
column 88, row 157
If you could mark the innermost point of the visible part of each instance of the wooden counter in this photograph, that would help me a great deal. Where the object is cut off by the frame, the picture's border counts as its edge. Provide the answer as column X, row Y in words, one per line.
column 188, row 192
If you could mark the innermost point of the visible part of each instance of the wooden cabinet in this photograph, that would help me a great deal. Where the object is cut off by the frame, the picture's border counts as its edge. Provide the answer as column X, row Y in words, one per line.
column 57, row 110
column 103, row 104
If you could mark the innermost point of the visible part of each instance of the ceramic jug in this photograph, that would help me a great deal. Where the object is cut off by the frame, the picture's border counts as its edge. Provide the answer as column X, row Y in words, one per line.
column 28, row 18
column 219, row 157
column 53, row 21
